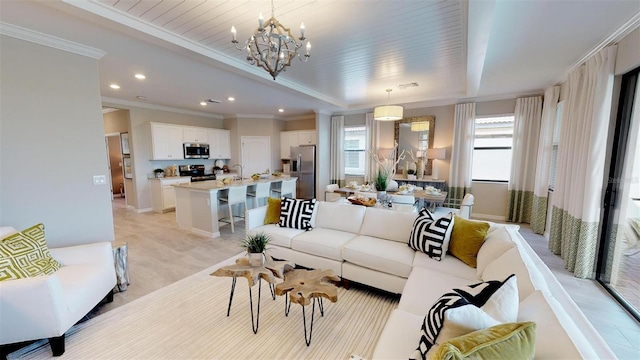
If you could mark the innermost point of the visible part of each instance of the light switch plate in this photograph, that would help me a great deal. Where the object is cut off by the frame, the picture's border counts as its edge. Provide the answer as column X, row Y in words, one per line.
column 99, row 180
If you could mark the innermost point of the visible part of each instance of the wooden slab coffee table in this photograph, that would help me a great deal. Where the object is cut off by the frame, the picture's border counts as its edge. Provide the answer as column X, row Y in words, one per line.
column 304, row 287
column 271, row 270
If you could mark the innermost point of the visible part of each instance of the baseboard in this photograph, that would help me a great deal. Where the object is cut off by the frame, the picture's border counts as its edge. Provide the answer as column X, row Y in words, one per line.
column 139, row 211
column 496, row 218
column 205, row 233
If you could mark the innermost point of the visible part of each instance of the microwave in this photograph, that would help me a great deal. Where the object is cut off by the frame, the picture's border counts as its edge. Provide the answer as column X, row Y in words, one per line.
column 196, row 151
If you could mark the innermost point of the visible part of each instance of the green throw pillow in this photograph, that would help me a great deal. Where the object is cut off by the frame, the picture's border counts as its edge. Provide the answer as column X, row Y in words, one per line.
column 273, row 211
column 467, row 238
column 511, row 341
column 25, row 254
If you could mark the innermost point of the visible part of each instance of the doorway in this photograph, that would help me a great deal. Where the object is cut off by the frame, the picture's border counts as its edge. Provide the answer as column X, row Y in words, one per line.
column 256, row 154
column 115, row 159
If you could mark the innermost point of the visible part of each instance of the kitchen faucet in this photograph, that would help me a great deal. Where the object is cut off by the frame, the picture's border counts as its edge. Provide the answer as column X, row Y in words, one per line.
column 241, row 170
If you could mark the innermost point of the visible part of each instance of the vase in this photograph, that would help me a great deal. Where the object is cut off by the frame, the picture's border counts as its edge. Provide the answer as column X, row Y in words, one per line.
column 392, row 185
column 380, row 194
column 420, row 169
column 256, row 259
column 411, row 177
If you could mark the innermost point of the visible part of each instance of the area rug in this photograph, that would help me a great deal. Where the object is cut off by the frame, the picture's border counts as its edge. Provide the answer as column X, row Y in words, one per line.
column 187, row 320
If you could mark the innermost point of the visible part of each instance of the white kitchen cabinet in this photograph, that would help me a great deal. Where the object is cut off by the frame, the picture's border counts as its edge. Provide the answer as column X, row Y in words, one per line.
column 307, row 137
column 295, row 138
column 166, row 142
column 163, row 194
column 219, row 143
column 195, row 135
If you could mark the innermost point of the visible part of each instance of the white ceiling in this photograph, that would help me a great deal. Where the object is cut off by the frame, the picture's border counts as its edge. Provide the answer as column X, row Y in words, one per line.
column 454, row 49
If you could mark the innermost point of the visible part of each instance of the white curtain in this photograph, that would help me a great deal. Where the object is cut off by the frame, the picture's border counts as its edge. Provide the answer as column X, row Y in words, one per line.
column 526, row 131
column 545, row 151
column 461, row 154
column 373, row 140
column 337, row 151
column 581, row 161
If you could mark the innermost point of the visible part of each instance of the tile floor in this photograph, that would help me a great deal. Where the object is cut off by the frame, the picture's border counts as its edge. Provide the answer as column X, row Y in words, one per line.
column 160, row 253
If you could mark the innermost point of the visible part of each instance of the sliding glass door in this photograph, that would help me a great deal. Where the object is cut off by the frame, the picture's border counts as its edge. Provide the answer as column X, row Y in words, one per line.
column 619, row 259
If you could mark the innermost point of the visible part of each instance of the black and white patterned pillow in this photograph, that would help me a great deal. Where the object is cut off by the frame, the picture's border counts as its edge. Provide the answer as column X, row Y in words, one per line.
column 431, row 236
column 296, row 214
column 477, row 295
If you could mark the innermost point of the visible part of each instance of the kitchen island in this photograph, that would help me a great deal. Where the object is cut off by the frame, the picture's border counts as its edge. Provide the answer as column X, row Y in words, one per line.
column 197, row 207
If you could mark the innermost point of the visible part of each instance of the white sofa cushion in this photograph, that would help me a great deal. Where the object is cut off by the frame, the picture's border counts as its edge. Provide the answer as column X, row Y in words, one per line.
column 516, row 262
column 337, row 216
column 386, row 224
column 496, row 243
column 322, row 242
column 552, row 339
column 450, row 265
column 374, row 253
column 424, row 287
column 280, row 236
column 400, row 336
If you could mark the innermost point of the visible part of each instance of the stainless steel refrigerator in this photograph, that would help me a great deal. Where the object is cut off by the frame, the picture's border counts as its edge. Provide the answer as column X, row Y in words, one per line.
column 303, row 166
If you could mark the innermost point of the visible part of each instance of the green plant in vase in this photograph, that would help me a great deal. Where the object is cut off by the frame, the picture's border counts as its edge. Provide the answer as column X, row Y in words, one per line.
column 256, row 244
column 381, row 181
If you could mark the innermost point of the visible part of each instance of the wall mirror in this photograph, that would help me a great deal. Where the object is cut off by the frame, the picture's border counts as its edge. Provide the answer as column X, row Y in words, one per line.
column 415, row 134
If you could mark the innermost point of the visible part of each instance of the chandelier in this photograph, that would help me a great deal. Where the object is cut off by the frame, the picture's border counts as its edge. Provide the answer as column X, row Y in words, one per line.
column 388, row 112
column 272, row 47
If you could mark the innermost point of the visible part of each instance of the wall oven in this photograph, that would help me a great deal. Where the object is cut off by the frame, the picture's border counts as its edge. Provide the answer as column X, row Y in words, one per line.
column 196, row 151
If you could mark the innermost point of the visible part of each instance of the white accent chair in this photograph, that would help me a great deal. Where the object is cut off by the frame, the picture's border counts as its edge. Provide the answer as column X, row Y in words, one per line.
column 259, row 191
column 463, row 212
column 330, row 193
column 234, row 195
column 366, row 194
column 45, row 307
column 286, row 187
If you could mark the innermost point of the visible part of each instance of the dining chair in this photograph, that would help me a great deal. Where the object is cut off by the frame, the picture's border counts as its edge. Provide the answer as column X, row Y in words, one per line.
column 287, row 187
column 366, row 194
column 259, row 191
column 330, row 190
column 465, row 208
column 233, row 196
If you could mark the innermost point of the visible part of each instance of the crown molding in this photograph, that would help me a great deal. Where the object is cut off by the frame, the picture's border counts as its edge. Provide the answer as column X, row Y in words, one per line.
column 115, row 101
column 36, row 37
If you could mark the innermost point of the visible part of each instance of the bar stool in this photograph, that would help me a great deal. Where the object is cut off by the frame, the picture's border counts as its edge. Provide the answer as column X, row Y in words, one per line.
column 287, row 187
column 260, row 191
column 235, row 195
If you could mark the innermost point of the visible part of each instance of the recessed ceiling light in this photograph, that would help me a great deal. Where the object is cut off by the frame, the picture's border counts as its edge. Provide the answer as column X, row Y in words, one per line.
column 140, row 76
column 280, row 110
column 231, row 98
column 203, row 103
column 114, row 86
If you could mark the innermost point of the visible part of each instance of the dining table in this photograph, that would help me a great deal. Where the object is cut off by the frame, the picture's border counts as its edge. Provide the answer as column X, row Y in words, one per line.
column 424, row 198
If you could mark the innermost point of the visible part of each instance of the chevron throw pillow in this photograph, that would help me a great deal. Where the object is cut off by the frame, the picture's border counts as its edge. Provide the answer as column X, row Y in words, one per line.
column 296, row 214
column 431, row 236
column 25, row 254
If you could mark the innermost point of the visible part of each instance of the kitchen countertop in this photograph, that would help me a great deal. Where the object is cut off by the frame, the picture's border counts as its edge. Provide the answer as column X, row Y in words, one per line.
column 217, row 184
column 171, row 178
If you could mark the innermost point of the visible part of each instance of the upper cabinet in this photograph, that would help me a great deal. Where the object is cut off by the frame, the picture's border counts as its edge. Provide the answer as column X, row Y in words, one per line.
column 166, row 142
column 219, row 143
column 295, row 138
column 195, row 135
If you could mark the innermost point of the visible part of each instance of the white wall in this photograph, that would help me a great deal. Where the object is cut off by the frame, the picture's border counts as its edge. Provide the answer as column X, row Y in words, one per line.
column 52, row 144
column 323, row 154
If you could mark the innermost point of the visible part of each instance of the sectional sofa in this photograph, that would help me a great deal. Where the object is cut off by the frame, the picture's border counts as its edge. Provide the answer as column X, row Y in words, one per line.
column 369, row 246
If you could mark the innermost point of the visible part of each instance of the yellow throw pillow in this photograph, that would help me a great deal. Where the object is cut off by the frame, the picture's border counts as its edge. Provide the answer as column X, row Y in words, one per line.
column 467, row 238
column 25, row 254
column 511, row 341
column 273, row 211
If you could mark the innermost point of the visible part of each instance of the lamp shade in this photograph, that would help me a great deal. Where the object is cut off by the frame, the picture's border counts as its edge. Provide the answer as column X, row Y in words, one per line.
column 420, row 126
column 436, row 153
column 388, row 113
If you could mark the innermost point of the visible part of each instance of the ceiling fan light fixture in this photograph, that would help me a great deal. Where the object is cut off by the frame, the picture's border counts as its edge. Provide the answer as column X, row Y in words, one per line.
column 388, row 112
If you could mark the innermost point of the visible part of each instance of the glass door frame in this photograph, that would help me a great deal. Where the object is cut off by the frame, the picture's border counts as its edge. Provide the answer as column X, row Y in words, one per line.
column 618, row 146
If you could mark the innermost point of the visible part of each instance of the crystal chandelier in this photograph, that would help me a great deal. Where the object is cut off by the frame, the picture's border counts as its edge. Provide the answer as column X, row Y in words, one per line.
column 272, row 46
column 388, row 112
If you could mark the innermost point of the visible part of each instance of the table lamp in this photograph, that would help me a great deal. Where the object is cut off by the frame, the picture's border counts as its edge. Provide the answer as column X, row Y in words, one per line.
column 435, row 154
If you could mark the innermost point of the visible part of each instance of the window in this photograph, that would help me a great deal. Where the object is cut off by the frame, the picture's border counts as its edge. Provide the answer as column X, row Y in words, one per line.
column 355, row 139
column 556, row 139
column 492, row 148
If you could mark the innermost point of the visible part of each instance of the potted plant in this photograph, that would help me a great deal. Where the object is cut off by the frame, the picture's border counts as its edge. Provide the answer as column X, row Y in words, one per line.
column 411, row 174
column 255, row 245
column 159, row 173
column 381, row 183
